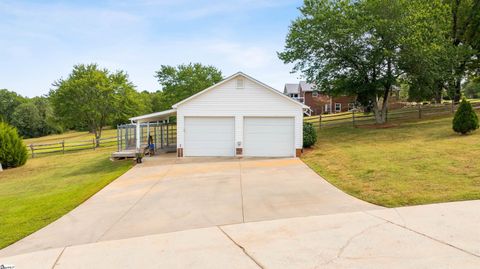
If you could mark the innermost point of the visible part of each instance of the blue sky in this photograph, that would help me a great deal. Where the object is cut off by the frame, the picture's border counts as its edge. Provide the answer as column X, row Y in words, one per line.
column 41, row 40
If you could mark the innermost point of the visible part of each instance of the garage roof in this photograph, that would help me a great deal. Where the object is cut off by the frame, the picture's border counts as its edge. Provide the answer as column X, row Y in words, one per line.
column 164, row 115
column 232, row 77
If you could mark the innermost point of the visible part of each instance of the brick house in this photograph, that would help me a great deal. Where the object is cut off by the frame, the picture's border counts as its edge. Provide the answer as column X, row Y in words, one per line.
column 318, row 102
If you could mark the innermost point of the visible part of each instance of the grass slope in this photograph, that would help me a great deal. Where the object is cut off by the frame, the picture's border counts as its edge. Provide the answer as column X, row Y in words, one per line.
column 70, row 136
column 413, row 163
column 48, row 187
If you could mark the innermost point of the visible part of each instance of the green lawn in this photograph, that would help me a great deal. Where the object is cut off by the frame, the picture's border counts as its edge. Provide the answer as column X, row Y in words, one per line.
column 412, row 163
column 70, row 136
column 47, row 187
column 73, row 141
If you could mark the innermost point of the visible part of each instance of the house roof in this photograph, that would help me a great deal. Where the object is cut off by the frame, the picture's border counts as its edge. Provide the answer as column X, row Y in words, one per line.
column 232, row 77
column 157, row 116
column 290, row 88
column 307, row 87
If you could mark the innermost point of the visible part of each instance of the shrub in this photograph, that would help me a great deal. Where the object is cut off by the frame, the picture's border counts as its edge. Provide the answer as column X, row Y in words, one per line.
column 309, row 135
column 465, row 120
column 13, row 152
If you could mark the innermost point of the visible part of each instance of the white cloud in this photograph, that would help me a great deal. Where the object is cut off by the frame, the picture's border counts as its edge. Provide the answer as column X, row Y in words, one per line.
column 241, row 55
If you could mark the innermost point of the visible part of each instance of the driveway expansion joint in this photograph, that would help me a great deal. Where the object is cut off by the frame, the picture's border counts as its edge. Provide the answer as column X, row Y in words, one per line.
column 242, row 248
column 422, row 234
column 134, row 204
column 58, row 258
column 241, row 191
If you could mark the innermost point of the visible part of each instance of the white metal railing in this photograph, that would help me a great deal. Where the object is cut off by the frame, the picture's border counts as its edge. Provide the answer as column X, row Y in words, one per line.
column 307, row 111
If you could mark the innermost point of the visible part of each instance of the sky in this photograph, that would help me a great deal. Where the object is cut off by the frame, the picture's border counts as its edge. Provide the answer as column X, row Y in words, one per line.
column 40, row 41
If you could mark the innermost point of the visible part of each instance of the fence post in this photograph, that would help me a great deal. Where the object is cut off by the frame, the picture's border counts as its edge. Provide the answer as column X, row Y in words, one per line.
column 63, row 146
column 353, row 117
column 118, row 138
column 419, row 111
column 33, row 153
column 161, row 135
column 155, row 136
column 93, row 142
column 168, row 143
column 320, row 121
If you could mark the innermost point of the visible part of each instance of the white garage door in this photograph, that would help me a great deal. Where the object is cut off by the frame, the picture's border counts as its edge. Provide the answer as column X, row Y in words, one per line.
column 209, row 136
column 269, row 137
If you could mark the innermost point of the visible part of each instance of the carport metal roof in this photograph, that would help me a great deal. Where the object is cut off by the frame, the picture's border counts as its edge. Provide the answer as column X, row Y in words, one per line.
column 157, row 116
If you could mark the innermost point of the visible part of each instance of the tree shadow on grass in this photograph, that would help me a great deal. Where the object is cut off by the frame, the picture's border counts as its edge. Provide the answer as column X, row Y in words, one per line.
column 95, row 166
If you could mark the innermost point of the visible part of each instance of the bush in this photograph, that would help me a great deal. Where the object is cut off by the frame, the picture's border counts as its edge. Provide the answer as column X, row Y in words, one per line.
column 309, row 135
column 13, row 152
column 465, row 120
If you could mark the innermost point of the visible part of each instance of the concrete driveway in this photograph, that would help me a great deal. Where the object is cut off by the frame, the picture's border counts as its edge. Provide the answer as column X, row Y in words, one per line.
column 166, row 194
column 441, row 236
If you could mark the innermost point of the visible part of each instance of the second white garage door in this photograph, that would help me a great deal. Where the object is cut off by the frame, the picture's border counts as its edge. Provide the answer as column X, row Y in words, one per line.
column 269, row 137
column 209, row 136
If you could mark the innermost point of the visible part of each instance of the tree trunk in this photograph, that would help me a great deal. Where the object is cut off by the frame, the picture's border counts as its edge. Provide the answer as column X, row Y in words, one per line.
column 438, row 92
column 97, row 132
column 98, row 135
column 458, row 89
column 380, row 110
column 381, row 113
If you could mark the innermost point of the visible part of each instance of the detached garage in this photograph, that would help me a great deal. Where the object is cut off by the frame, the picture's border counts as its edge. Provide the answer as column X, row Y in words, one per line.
column 239, row 116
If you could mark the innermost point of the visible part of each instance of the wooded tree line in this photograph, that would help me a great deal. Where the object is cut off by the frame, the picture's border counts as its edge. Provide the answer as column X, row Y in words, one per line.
column 365, row 47
column 91, row 98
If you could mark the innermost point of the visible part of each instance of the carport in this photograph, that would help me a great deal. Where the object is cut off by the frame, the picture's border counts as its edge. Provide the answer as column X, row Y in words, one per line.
column 157, row 130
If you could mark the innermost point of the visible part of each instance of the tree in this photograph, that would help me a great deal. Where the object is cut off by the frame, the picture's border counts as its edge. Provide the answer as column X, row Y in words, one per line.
column 183, row 81
column 35, row 118
column 13, row 152
column 465, row 119
column 337, row 46
column 465, row 37
column 89, row 96
column 472, row 88
column 128, row 102
column 356, row 47
column 8, row 102
column 49, row 122
column 27, row 119
column 428, row 56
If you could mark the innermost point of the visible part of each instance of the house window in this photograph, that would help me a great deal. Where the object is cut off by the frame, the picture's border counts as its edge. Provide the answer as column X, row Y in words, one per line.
column 338, row 107
column 295, row 95
column 239, row 83
column 327, row 108
column 315, row 94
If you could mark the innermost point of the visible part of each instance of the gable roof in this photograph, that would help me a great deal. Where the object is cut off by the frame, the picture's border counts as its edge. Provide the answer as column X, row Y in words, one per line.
column 290, row 88
column 306, row 87
column 232, row 77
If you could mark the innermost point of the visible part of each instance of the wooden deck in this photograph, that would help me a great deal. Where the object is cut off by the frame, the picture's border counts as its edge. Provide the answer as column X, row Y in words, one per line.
column 123, row 154
column 130, row 153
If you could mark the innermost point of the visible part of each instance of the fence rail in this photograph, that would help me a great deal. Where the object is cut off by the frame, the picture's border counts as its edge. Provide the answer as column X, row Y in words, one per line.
column 355, row 118
column 71, row 146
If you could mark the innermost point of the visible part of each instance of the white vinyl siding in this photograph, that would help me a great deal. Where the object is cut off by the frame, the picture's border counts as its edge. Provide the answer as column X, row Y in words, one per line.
column 272, row 137
column 209, row 136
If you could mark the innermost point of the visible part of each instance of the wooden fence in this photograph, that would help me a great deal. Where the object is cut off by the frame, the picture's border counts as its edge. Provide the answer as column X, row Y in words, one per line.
column 70, row 146
column 356, row 118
